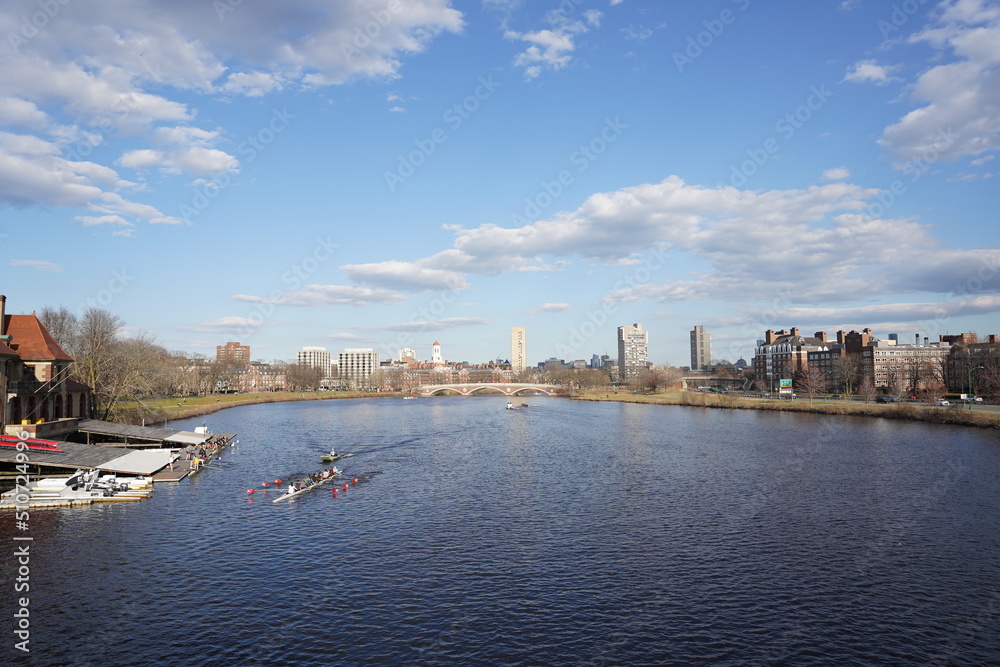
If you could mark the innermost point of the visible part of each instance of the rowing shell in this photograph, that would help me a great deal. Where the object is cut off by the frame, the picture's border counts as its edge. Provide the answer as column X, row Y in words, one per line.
column 292, row 494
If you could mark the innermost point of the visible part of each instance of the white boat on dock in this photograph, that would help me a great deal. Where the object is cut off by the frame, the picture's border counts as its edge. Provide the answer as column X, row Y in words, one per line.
column 81, row 488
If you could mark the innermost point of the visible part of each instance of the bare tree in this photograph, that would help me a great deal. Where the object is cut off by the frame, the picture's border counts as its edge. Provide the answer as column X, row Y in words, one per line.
column 812, row 381
column 847, row 372
column 989, row 381
column 63, row 326
column 867, row 390
column 303, row 377
column 658, row 377
column 898, row 383
column 96, row 354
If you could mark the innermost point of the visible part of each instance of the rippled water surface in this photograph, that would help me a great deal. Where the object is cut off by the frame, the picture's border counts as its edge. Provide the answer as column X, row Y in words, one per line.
column 563, row 533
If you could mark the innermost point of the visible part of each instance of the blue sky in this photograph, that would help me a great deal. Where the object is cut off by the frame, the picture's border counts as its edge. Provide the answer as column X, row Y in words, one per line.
column 387, row 174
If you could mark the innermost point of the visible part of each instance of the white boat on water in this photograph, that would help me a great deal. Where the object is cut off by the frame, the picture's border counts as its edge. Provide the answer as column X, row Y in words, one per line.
column 510, row 406
column 291, row 493
column 83, row 484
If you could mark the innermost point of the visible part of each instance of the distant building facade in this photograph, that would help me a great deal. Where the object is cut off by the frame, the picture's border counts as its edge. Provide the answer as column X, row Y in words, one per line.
column 890, row 365
column 35, row 383
column 701, row 348
column 314, row 357
column 233, row 353
column 356, row 365
column 633, row 344
column 518, row 349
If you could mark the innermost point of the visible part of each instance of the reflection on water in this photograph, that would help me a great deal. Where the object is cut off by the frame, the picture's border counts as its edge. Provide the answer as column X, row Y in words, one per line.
column 562, row 533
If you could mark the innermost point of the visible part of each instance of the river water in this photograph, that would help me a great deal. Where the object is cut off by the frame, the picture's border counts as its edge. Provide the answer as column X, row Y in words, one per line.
column 563, row 533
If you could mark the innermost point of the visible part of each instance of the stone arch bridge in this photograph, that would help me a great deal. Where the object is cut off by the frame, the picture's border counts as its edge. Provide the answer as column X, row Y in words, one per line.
column 473, row 388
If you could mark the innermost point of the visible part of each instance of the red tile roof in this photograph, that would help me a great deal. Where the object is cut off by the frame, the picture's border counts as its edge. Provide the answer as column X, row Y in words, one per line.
column 6, row 351
column 32, row 341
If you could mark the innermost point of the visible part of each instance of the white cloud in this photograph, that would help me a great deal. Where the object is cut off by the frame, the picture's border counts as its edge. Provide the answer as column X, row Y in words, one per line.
column 637, row 33
column 22, row 113
column 912, row 313
column 431, row 325
column 549, row 308
column 33, row 173
column 836, row 174
column 549, row 48
column 39, row 264
column 252, row 84
column 328, row 295
column 869, row 71
column 552, row 48
column 819, row 243
column 961, row 97
column 189, row 150
column 142, row 159
column 404, row 276
column 136, row 68
column 92, row 220
column 231, row 324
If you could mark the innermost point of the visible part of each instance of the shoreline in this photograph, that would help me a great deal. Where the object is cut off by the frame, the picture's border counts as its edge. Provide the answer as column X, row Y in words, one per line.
column 207, row 405
column 956, row 416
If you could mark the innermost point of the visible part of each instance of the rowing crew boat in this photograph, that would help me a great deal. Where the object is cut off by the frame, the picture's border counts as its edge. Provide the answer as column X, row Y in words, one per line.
column 291, row 493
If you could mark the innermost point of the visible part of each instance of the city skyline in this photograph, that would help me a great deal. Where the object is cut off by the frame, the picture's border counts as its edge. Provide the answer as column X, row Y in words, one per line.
column 386, row 175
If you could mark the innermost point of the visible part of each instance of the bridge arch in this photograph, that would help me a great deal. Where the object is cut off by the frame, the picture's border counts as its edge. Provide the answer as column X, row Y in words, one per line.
column 478, row 388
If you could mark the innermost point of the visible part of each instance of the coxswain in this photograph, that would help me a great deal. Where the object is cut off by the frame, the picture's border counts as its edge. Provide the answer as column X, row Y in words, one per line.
column 333, row 452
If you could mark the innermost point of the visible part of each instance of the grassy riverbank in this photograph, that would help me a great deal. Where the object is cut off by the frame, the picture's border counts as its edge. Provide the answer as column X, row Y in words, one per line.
column 167, row 409
column 959, row 415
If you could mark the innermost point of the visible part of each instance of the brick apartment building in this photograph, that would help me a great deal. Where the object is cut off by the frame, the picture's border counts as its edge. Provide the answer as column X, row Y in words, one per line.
column 891, row 365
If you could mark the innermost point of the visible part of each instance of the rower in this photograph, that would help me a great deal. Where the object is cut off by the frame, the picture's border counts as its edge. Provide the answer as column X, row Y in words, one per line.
column 333, row 452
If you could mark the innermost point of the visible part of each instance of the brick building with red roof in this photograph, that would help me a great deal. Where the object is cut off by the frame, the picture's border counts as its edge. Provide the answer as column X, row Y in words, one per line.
column 35, row 374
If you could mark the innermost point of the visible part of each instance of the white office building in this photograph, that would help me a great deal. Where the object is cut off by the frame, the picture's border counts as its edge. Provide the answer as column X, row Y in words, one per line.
column 356, row 365
column 314, row 357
